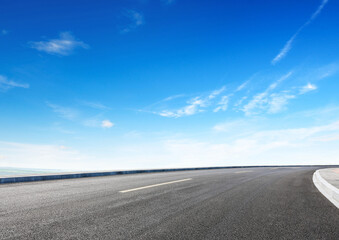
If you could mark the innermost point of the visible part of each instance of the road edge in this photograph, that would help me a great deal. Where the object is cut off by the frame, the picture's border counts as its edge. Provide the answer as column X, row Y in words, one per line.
column 326, row 189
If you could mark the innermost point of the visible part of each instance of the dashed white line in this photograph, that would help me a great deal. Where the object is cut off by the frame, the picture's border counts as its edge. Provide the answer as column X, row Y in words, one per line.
column 155, row 185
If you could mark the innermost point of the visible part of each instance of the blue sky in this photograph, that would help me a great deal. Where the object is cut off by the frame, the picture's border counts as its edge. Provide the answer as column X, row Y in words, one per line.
column 168, row 83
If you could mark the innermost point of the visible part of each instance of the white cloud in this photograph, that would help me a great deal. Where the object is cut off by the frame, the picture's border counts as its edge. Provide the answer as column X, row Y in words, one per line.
column 64, row 112
column 195, row 105
column 217, row 92
column 267, row 101
column 6, row 84
column 276, row 83
column 287, row 47
column 74, row 115
column 4, row 32
column 240, row 101
column 64, row 45
column 317, row 12
column 95, row 105
column 270, row 103
column 257, row 102
column 286, row 146
column 170, row 98
column 307, row 145
column 242, row 86
column 307, row 88
column 136, row 19
column 231, row 126
column 223, row 104
column 107, row 124
column 42, row 156
column 278, row 101
column 326, row 71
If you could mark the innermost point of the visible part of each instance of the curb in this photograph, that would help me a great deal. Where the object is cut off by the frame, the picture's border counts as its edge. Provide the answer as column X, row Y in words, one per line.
column 328, row 190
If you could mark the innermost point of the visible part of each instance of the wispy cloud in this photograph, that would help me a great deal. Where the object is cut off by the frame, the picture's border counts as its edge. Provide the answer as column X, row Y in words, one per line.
column 277, row 101
column 4, row 32
column 95, row 105
column 280, row 80
column 97, row 122
column 288, row 45
column 195, row 105
column 288, row 146
column 273, row 101
column 135, row 20
column 6, row 84
column 42, row 156
column 173, row 97
column 223, row 104
column 168, row 2
column 64, row 112
column 107, row 124
column 326, row 71
column 217, row 92
column 242, row 86
column 80, row 118
column 64, row 45
column 268, row 101
column 240, row 101
column 307, row 88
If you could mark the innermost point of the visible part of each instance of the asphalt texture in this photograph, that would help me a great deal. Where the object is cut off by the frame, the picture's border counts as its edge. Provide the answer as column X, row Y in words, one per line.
column 252, row 203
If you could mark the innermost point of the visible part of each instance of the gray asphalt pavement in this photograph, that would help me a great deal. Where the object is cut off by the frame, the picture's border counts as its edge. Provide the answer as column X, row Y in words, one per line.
column 252, row 203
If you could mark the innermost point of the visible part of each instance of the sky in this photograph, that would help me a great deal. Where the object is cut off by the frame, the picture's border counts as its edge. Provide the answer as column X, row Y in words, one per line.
column 98, row 85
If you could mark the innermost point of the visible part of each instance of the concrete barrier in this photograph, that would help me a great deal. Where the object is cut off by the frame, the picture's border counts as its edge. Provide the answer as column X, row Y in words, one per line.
column 328, row 190
column 58, row 176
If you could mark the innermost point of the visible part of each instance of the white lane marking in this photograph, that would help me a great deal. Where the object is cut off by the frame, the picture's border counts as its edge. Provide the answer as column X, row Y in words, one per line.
column 155, row 185
column 274, row 168
column 243, row 171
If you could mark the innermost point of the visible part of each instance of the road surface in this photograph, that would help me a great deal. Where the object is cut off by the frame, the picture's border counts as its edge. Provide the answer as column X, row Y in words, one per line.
column 251, row 203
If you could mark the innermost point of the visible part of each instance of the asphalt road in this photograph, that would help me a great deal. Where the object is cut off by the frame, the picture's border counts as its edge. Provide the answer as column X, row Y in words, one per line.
column 252, row 203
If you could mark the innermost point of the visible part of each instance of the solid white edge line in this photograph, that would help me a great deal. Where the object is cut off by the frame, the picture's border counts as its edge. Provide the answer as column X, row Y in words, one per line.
column 155, row 185
column 328, row 190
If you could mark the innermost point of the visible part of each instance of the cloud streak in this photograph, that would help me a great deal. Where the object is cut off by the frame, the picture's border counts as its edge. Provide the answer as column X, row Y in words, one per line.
column 95, row 105
column 63, row 46
column 223, row 104
column 136, row 19
column 268, row 101
column 196, row 105
column 288, row 45
column 64, row 112
column 6, row 84
column 307, row 88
